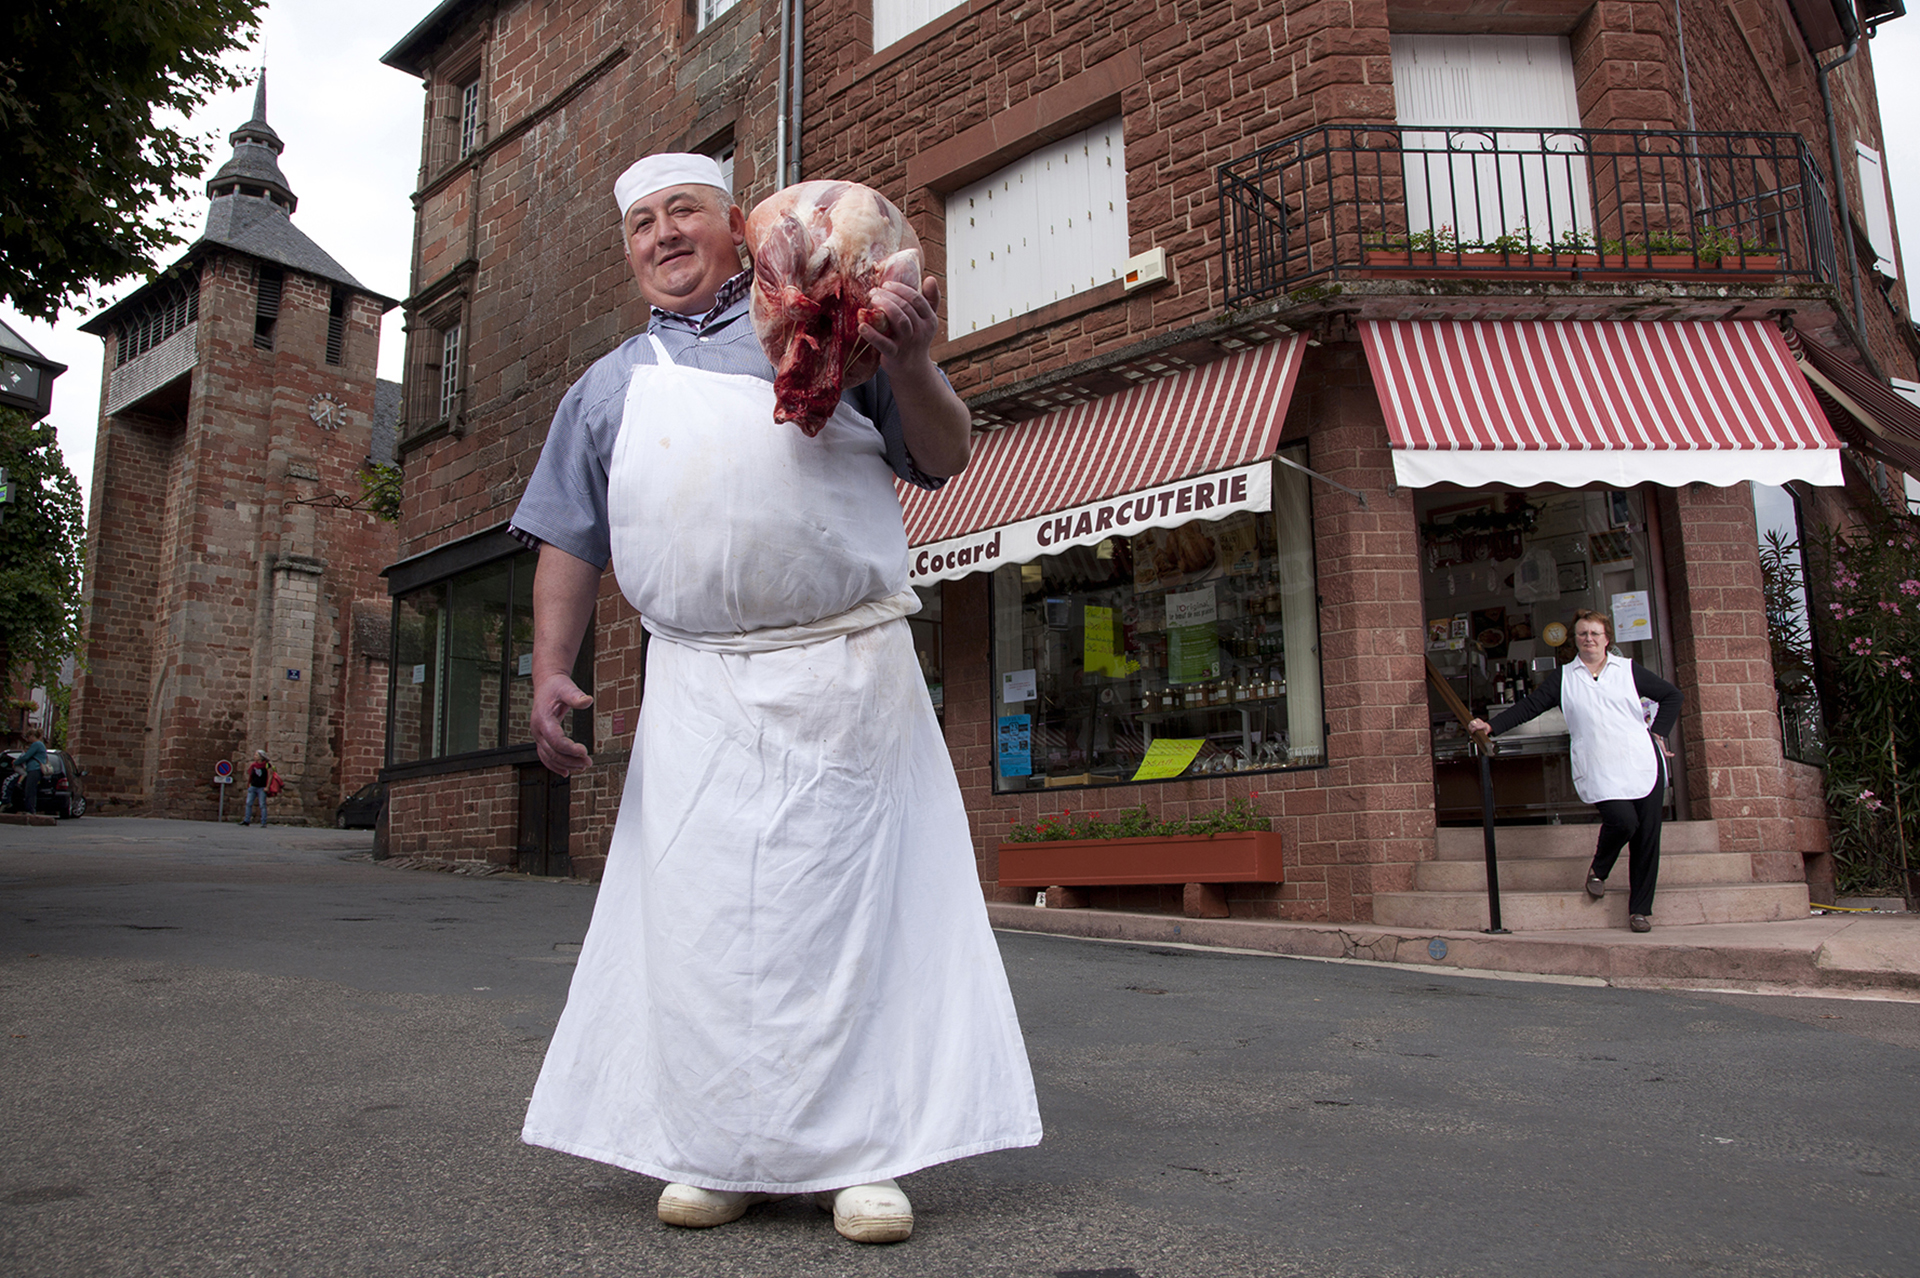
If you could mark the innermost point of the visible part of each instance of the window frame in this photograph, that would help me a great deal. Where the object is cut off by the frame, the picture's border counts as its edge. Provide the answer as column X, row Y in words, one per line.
column 1029, row 186
column 434, row 575
column 707, row 13
column 997, row 783
column 469, row 125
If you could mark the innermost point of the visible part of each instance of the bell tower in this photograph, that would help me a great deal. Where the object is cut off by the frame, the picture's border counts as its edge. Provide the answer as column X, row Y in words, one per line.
column 233, row 599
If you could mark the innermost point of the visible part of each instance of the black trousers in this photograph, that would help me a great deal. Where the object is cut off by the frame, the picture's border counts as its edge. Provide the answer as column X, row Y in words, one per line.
column 1633, row 824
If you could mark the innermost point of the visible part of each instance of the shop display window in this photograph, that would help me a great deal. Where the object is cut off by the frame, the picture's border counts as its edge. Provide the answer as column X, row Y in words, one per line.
column 463, row 663
column 927, row 631
column 1180, row 652
column 1503, row 572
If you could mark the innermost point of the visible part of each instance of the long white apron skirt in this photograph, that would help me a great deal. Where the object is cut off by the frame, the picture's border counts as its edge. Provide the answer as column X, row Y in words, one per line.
column 789, row 983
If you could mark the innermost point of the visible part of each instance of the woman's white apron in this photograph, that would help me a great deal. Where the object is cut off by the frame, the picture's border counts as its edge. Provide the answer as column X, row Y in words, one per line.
column 789, row 983
column 1613, row 755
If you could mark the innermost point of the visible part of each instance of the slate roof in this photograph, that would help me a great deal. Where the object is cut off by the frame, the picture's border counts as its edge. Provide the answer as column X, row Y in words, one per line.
column 11, row 343
column 250, row 224
column 386, row 420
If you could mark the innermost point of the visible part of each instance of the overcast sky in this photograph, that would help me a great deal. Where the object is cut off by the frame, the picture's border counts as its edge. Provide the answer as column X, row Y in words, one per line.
column 352, row 130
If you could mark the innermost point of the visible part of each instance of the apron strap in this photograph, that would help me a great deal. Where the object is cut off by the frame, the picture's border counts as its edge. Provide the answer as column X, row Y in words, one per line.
column 660, row 351
column 875, row 612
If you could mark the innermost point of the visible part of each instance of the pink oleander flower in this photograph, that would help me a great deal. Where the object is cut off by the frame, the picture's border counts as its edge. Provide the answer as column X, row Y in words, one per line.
column 1861, row 645
column 1910, row 587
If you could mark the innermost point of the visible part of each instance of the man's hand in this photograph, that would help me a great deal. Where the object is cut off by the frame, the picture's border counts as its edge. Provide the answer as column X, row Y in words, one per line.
column 555, row 697
column 938, row 427
column 909, row 319
column 564, row 590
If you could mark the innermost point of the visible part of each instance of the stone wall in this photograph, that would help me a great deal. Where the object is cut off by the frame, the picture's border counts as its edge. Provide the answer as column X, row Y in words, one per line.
column 221, row 588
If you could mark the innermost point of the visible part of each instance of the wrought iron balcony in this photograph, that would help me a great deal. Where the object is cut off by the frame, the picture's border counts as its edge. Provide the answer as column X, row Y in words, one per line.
column 1381, row 201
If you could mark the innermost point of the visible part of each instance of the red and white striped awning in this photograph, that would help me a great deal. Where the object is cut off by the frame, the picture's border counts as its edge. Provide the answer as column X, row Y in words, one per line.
column 1868, row 412
column 1582, row 402
column 1191, row 446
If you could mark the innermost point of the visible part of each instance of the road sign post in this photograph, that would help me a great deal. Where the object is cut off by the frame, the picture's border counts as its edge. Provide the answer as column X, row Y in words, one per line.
column 223, row 777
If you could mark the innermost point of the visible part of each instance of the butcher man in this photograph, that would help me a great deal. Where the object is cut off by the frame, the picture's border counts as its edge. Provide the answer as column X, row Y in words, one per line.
column 789, row 985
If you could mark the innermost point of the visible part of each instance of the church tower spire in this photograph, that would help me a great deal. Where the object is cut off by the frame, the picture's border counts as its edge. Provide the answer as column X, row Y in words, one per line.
column 254, row 169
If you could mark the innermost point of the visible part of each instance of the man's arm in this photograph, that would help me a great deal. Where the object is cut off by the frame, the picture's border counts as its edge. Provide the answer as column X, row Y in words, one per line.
column 564, row 591
column 937, row 426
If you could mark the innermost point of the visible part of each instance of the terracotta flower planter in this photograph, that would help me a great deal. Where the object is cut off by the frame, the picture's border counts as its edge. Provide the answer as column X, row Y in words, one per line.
column 1391, row 263
column 1252, row 856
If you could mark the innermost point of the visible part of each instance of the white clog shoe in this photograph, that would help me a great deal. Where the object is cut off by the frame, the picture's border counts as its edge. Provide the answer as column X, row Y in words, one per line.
column 876, row 1213
column 691, row 1207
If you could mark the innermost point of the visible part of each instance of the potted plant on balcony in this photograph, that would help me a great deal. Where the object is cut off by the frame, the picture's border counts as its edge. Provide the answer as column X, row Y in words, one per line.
column 1233, row 844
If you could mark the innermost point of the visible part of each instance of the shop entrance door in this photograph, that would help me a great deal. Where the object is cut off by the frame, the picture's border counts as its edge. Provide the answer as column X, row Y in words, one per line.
column 1503, row 572
column 541, row 847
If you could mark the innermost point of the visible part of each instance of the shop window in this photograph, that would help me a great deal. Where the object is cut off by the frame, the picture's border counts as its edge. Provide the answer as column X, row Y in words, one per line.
column 463, row 667
column 897, row 19
column 1503, row 572
column 1783, row 577
column 1190, row 651
column 418, row 702
column 1048, row 226
column 928, row 634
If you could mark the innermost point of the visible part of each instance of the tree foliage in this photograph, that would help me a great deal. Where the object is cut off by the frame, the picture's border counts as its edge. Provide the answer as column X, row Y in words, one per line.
column 42, row 543
column 1870, row 634
column 83, row 156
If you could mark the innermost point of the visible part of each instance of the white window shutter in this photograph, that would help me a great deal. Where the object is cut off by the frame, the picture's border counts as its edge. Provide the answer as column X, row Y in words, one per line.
column 896, row 19
column 1512, row 86
column 1047, row 227
column 1875, row 210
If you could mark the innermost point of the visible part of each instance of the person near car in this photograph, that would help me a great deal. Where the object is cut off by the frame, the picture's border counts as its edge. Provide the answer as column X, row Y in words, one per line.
column 31, row 763
column 258, row 775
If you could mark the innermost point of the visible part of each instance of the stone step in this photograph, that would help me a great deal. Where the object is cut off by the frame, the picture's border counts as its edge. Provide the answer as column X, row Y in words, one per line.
column 1467, row 843
column 1561, row 911
column 1569, row 873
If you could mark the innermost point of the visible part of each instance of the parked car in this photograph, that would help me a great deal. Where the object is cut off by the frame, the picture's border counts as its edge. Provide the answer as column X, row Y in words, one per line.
column 60, row 790
column 361, row 809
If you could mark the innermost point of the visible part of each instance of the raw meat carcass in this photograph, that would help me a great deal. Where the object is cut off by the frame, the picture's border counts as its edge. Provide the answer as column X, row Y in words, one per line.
column 820, row 249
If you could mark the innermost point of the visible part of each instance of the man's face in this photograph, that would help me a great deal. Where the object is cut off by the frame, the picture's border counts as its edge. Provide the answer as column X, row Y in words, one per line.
column 683, row 243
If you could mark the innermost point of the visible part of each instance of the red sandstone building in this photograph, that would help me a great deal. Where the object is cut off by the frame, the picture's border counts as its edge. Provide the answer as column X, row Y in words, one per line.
column 1312, row 345
column 233, row 597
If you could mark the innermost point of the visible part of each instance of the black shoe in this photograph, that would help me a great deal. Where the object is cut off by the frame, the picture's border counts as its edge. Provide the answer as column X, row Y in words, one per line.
column 1596, row 886
column 1639, row 923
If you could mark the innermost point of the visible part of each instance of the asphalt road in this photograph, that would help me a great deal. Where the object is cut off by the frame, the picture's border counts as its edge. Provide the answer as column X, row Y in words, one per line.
column 241, row 1052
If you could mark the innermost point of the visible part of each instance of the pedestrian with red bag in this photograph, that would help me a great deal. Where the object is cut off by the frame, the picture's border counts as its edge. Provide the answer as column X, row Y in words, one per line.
column 262, row 781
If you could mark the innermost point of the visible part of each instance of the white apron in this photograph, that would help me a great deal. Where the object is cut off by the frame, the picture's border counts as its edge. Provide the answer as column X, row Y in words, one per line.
column 789, row 983
column 1613, row 754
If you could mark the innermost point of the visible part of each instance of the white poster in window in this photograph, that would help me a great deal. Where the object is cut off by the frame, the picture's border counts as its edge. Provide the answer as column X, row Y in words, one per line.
column 1193, row 642
column 525, row 667
column 1017, row 686
column 420, row 674
column 1632, row 616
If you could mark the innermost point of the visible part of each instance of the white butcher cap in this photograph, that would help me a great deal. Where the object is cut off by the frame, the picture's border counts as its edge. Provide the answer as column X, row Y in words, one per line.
column 670, row 168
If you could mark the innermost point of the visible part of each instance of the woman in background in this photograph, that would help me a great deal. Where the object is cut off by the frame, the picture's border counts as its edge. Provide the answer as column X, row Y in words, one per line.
column 1619, row 761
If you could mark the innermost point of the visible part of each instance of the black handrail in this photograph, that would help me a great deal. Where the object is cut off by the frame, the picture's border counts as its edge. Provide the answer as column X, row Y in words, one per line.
column 1569, row 203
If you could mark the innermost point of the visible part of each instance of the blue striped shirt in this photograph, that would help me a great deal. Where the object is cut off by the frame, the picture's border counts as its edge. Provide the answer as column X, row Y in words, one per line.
column 566, row 499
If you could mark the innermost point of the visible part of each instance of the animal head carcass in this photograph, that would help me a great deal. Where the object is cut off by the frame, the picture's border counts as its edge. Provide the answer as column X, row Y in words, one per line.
column 819, row 250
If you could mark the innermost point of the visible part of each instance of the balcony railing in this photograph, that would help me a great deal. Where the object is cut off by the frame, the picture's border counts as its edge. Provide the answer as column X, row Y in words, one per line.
column 1367, row 201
